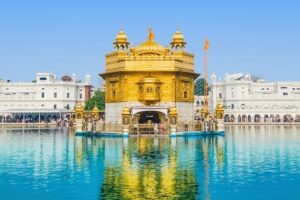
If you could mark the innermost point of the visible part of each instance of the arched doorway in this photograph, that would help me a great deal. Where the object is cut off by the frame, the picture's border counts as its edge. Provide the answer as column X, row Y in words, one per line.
column 239, row 118
column 287, row 118
column 149, row 117
column 277, row 119
column 297, row 118
column 249, row 118
column 226, row 118
column 272, row 118
column 232, row 118
column 257, row 118
column 244, row 118
column 266, row 118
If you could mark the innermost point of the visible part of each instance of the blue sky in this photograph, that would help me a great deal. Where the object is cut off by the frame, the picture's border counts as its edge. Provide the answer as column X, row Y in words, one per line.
column 70, row 36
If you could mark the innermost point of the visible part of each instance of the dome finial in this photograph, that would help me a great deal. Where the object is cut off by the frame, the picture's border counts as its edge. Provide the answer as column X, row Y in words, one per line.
column 178, row 26
column 150, row 34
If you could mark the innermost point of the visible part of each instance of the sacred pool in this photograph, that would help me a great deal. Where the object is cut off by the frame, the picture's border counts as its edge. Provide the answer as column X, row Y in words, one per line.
column 249, row 162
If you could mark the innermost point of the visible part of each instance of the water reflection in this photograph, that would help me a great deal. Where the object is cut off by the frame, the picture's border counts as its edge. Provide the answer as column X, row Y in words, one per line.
column 250, row 162
column 155, row 168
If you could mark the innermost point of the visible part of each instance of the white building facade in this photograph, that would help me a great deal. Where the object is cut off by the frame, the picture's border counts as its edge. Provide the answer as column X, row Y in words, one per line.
column 43, row 99
column 198, row 104
column 250, row 99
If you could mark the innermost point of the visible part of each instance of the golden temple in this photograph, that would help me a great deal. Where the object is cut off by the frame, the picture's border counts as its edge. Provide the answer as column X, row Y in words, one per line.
column 148, row 81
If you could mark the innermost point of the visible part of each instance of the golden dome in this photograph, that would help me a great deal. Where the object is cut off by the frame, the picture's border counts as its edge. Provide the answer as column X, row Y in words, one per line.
column 95, row 109
column 204, row 109
column 219, row 106
column 178, row 36
column 126, row 111
column 121, row 40
column 149, row 47
column 79, row 107
column 173, row 111
column 121, row 37
column 178, row 40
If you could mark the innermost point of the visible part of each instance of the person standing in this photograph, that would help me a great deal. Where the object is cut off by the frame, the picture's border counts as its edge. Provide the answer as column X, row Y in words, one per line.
column 161, row 128
column 155, row 129
column 186, row 125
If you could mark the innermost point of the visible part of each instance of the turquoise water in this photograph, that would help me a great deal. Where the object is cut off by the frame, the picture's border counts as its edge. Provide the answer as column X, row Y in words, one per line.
column 248, row 163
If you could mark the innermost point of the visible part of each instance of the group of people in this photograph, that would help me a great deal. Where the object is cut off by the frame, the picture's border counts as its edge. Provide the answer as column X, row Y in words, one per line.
column 157, row 128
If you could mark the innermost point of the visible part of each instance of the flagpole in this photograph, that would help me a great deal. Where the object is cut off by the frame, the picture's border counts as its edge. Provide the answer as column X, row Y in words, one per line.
column 205, row 93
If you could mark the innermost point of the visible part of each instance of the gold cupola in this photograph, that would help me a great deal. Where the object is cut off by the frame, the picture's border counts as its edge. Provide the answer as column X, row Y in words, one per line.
column 178, row 41
column 95, row 112
column 79, row 111
column 150, row 47
column 121, row 42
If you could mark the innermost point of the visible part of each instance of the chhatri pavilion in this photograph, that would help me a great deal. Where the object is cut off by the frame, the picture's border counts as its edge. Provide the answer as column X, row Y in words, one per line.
column 149, row 82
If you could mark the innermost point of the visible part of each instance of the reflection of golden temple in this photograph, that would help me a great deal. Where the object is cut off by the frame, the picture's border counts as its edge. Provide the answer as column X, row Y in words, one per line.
column 152, row 168
column 138, row 178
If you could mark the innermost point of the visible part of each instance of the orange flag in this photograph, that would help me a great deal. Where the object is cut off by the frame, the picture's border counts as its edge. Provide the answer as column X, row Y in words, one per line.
column 206, row 45
column 151, row 34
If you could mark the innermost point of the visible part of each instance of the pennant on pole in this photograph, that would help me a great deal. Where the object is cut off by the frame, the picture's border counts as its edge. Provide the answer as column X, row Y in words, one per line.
column 206, row 45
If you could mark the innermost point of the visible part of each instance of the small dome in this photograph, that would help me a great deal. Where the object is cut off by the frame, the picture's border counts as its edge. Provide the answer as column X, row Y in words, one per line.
column 126, row 111
column 121, row 37
column 79, row 107
column 219, row 106
column 213, row 77
column 178, row 40
column 178, row 36
column 173, row 111
column 66, row 78
column 204, row 109
column 95, row 110
column 121, row 40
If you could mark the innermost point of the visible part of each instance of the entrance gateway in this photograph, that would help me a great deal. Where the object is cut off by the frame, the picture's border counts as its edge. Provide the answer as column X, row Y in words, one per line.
column 144, row 115
column 145, row 119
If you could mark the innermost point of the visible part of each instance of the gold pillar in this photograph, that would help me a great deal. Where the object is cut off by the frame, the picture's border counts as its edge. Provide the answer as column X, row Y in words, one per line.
column 125, row 116
column 219, row 111
column 204, row 112
column 79, row 111
column 173, row 115
column 95, row 113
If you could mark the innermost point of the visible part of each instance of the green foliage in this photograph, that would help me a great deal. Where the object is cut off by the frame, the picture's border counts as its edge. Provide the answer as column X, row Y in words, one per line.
column 98, row 99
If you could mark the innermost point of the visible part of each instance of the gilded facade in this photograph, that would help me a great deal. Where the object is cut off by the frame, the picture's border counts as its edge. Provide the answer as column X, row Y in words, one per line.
column 149, row 79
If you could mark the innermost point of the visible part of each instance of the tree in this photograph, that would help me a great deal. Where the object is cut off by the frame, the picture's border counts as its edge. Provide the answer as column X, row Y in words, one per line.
column 98, row 99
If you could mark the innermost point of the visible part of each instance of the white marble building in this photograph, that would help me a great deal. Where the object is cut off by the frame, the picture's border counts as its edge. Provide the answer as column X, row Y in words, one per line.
column 46, row 98
column 251, row 99
column 198, row 103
